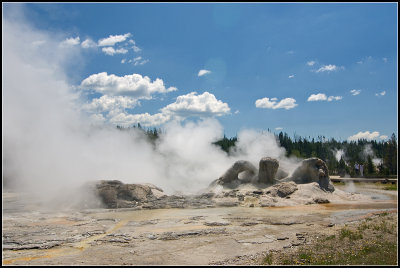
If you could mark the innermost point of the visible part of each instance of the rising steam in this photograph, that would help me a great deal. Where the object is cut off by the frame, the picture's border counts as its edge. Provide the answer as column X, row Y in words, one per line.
column 339, row 153
column 49, row 144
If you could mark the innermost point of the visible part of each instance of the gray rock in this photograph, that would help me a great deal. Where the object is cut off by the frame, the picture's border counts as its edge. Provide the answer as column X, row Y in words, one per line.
column 312, row 170
column 321, row 200
column 282, row 238
column 295, row 244
column 115, row 194
column 240, row 197
column 283, row 189
column 268, row 168
column 107, row 192
column 242, row 172
column 151, row 236
column 231, row 176
column 134, row 192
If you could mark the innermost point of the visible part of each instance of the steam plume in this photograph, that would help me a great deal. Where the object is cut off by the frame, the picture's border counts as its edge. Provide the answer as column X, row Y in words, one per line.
column 50, row 145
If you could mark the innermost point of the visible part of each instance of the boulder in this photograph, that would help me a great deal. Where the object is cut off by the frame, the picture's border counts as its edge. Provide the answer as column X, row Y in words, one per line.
column 114, row 193
column 310, row 170
column 107, row 192
column 283, row 189
column 320, row 200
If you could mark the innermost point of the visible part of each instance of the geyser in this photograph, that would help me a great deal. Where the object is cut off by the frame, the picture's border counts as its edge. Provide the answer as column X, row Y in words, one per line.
column 51, row 146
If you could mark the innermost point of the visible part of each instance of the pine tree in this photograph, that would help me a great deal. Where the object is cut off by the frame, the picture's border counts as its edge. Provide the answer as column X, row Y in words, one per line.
column 342, row 167
column 370, row 166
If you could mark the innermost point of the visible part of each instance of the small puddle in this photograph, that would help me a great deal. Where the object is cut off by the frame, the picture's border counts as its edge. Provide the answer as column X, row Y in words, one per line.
column 374, row 191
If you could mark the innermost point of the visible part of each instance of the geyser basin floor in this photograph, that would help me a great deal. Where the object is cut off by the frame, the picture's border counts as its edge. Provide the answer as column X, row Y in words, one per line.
column 169, row 236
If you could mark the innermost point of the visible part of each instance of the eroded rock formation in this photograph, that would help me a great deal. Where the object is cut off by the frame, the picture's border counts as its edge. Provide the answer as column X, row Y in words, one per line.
column 310, row 170
column 231, row 177
column 268, row 168
column 114, row 193
column 242, row 184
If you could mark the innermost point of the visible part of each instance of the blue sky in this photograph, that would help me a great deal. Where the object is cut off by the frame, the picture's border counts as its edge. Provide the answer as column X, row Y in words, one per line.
column 312, row 69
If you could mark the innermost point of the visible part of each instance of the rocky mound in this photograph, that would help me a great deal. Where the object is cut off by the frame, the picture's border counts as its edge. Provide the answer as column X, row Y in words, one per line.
column 115, row 194
column 312, row 170
column 267, row 186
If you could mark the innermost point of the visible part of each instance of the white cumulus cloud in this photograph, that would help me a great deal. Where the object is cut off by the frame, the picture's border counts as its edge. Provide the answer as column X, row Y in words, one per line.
column 136, row 48
column 310, row 63
column 110, row 104
column 331, row 98
column 71, row 41
column 323, row 97
column 327, row 68
column 203, row 72
column 88, row 43
column 139, row 61
column 383, row 93
column 267, row 103
column 146, row 119
column 111, row 51
column 192, row 104
column 366, row 135
column 133, row 85
column 204, row 105
column 113, row 39
column 136, row 61
column 355, row 92
column 317, row 97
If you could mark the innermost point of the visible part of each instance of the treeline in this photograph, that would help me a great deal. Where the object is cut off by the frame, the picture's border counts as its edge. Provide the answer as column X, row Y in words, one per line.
column 362, row 152
column 379, row 158
column 152, row 134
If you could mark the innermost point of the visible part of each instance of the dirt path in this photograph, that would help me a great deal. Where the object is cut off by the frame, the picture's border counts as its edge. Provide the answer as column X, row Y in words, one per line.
column 170, row 236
